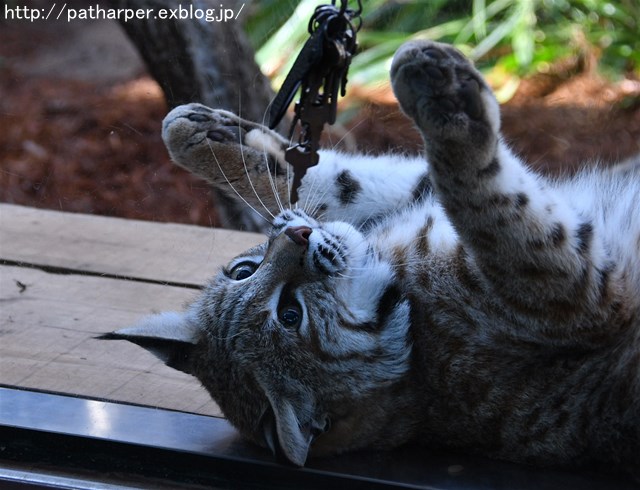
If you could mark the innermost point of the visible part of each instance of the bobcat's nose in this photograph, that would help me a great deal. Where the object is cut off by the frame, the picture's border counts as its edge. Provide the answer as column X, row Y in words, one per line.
column 299, row 234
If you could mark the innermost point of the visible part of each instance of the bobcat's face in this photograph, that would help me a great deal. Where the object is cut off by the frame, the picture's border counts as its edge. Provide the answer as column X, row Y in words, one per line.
column 296, row 345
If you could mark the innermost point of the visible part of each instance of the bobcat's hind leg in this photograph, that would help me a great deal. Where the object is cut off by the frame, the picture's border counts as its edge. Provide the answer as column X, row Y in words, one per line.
column 243, row 160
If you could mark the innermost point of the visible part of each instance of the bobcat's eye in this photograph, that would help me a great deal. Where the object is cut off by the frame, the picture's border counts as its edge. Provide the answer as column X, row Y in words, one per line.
column 242, row 271
column 290, row 316
column 289, row 308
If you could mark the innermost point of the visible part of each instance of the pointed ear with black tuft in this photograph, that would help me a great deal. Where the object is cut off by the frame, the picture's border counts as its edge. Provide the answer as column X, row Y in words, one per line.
column 170, row 336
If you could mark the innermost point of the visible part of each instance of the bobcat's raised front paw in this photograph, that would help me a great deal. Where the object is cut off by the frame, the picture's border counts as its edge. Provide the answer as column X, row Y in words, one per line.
column 445, row 95
column 194, row 133
column 243, row 160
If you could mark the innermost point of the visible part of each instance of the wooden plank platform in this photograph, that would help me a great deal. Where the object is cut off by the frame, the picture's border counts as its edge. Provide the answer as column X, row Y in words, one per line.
column 66, row 278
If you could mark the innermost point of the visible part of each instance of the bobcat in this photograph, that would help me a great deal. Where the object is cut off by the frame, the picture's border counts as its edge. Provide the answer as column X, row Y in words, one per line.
column 460, row 301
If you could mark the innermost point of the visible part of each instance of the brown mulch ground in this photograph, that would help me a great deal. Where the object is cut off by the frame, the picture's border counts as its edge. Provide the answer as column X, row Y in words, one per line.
column 86, row 146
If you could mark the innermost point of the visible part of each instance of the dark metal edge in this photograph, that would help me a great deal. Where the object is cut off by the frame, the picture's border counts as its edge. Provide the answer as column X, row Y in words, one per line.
column 79, row 434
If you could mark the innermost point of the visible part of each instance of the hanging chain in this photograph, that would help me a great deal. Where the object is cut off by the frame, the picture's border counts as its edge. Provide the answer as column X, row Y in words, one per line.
column 320, row 71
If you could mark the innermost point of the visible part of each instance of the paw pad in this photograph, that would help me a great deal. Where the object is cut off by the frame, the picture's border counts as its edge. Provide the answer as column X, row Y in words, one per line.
column 442, row 91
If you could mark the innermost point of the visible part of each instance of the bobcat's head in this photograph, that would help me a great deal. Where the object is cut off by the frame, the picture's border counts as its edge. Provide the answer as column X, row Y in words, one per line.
column 301, row 341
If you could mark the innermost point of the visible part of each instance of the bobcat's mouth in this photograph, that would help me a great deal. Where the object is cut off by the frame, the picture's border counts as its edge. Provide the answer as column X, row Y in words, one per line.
column 328, row 247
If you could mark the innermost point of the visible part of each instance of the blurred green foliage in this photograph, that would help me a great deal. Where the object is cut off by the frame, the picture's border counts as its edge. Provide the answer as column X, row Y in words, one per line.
column 519, row 37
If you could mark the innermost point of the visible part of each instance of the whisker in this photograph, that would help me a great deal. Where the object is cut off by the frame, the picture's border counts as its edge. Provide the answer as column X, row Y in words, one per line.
column 310, row 192
column 244, row 163
column 273, row 180
column 231, row 185
column 255, row 192
column 317, row 202
column 347, row 133
column 310, row 195
column 289, row 184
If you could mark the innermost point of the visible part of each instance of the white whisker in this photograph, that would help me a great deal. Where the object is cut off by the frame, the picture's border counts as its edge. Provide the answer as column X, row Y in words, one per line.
column 244, row 163
column 231, row 185
column 318, row 198
column 273, row 180
column 289, row 184
column 310, row 195
column 347, row 133
column 255, row 192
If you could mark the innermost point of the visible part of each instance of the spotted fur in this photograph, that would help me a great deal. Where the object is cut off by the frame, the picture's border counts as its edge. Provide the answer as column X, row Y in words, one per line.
column 465, row 302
